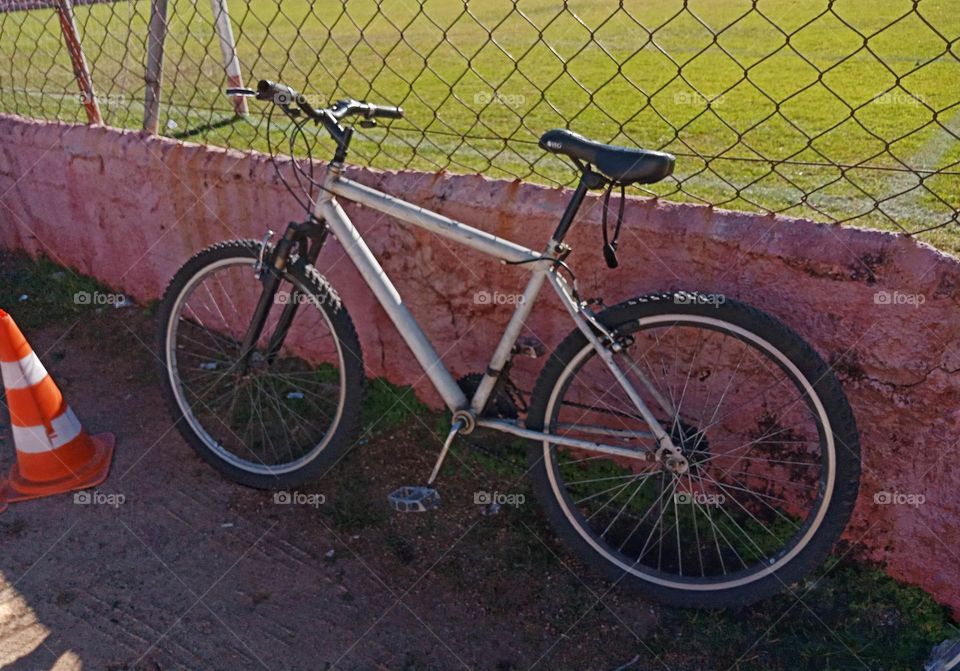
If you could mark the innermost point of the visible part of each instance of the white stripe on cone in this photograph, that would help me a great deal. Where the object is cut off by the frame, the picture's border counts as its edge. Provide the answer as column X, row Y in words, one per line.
column 31, row 439
column 24, row 373
column 34, row 439
column 66, row 427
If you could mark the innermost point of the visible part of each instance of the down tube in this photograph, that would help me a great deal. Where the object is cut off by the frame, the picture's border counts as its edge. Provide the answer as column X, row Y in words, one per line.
column 375, row 277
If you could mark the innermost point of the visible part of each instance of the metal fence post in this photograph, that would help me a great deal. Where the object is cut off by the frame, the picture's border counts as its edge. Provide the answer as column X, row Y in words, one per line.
column 80, row 69
column 228, row 47
column 156, row 35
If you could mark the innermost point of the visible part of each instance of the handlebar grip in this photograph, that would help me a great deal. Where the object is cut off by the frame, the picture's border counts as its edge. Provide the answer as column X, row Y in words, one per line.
column 386, row 111
column 277, row 93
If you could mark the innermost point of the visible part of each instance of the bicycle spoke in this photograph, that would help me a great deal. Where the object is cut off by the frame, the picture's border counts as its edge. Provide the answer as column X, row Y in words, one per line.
column 696, row 530
column 591, row 480
column 730, row 509
column 642, row 519
column 265, row 415
column 619, row 489
column 761, row 498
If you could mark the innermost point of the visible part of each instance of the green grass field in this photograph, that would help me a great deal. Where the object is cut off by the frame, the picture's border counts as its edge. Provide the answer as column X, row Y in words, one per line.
column 514, row 70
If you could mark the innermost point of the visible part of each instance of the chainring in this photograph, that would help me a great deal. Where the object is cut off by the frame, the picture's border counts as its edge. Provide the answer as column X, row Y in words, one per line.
column 500, row 404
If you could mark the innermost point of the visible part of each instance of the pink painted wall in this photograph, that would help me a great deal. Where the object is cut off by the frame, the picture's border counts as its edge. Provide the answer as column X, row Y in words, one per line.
column 130, row 209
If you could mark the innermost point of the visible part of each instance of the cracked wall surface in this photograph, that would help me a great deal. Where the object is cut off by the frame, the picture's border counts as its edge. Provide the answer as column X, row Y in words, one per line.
column 130, row 210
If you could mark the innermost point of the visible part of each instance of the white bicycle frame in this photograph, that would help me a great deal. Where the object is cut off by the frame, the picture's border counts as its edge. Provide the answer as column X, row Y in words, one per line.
column 327, row 209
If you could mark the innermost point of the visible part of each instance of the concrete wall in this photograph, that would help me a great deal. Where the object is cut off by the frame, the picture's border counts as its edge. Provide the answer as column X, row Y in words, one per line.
column 130, row 209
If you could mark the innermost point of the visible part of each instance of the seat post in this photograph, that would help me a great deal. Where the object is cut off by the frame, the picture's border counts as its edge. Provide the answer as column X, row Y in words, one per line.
column 588, row 180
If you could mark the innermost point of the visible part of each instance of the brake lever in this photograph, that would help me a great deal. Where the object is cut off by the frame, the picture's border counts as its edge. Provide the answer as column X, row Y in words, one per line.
column 249, row 93
column 339, row 109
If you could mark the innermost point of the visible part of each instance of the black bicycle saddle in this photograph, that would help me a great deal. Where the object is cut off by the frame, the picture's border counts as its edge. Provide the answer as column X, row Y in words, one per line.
column 624, row 165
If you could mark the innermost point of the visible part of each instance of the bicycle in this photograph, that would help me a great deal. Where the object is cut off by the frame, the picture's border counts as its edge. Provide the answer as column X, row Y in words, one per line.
column 682, row 443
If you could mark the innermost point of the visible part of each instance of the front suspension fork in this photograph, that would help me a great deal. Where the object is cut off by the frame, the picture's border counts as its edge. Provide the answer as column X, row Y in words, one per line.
column 271, row 275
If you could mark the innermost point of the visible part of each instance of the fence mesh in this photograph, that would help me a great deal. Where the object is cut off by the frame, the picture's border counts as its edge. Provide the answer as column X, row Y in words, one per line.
column 842, row 111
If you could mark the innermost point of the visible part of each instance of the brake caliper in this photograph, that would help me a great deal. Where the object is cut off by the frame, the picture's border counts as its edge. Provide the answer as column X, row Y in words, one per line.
column 258, row 267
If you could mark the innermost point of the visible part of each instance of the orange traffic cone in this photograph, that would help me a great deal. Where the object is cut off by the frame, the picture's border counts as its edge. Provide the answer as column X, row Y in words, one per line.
column 54, row 453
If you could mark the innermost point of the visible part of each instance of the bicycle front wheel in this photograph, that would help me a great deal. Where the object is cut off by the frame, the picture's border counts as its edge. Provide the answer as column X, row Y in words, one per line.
column 770, row 466
column 284, row 413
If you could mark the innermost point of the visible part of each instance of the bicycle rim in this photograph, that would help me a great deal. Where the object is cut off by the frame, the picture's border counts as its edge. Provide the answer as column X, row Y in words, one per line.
column 686, row 503
column 272, row 408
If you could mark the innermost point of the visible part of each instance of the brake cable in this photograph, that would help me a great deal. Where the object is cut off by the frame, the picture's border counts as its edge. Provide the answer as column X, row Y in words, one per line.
column 297, row 169
column 276, row 165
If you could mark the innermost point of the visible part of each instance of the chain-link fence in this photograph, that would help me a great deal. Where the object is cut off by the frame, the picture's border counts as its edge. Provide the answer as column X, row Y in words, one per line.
column 839, row 110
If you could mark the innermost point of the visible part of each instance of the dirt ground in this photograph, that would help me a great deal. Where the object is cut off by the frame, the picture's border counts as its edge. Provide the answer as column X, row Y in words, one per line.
column 170, row 566
column 173, row 567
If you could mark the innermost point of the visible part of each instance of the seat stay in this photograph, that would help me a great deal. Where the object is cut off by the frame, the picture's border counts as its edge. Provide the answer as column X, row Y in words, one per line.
column 663, row 439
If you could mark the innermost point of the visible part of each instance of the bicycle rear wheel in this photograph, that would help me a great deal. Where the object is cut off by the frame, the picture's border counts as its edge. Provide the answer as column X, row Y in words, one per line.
column 283, row 415
column 770, row 445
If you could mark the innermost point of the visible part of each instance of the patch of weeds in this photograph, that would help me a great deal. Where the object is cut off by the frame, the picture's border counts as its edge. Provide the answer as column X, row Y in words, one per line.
column 855, row 616
column 441, row 424
column 386, row 405
column 353, row 512
column 42, row 292
column 495, row 466
column 513, row 543
column 495, row 453
column 351, row 507
column 151, row 307
column 530, row 544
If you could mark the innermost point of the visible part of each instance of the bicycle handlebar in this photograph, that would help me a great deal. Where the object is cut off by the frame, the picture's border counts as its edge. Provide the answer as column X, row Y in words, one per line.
column 293, row 104
column 283, row 95
column 369, row 110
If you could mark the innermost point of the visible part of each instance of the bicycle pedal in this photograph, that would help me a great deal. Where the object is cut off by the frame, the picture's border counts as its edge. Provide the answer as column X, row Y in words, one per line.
column 414, row 499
